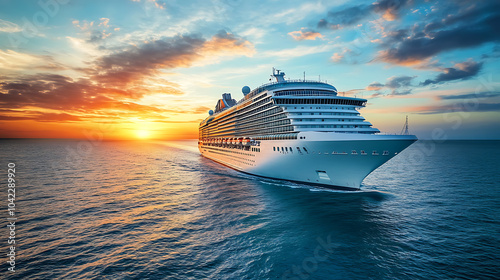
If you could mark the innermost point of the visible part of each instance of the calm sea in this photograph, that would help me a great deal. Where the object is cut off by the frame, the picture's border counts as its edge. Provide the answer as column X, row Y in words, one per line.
column 135, row 210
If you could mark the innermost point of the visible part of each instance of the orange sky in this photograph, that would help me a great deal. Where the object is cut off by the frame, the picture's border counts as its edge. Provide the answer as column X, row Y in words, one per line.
column 152, row 69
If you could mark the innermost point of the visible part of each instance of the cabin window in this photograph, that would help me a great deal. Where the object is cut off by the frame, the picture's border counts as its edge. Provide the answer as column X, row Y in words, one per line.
column 274, row 149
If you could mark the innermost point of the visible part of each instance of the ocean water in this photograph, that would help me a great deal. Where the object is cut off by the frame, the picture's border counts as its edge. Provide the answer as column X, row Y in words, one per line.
column 158, row 210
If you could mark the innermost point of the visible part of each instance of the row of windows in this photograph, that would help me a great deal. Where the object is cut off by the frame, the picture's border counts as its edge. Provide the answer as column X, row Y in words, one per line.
column 286, row 149
column 277, row 137
column 333, row 126
column 353, row 152
column 324, row 108
column 255, row 105
column 233, row 151
column 260, row 118
column 236, row 118
column 249, row 129
column 232, row 114
column 325, row 114
column 304, row 92
column 236, row 158
column 322, row 120
column 319, row 101
column 264, row 111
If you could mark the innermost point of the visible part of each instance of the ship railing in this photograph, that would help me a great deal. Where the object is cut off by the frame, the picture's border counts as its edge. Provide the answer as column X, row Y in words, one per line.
column 272, row 84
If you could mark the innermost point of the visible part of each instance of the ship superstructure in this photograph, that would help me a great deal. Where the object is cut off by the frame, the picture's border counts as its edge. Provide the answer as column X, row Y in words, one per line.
column 297, row 130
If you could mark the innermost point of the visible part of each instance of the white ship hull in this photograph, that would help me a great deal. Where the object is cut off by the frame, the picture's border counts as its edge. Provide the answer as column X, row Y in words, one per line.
column 338, row 160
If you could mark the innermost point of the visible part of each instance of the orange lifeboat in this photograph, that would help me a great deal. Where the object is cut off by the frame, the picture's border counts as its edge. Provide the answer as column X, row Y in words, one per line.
column 246, row 141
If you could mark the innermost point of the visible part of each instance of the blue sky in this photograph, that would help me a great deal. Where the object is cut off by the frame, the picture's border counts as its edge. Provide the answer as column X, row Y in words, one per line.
column 157, row 67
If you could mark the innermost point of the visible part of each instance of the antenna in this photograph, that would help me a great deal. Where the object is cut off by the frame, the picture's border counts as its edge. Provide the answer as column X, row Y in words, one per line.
column 405, row 131
column 304, row 76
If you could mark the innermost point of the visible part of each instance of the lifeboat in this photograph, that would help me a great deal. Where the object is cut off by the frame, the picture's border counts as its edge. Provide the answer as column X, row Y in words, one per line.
column 224, row 141
column 246, row 141
column 240, row 141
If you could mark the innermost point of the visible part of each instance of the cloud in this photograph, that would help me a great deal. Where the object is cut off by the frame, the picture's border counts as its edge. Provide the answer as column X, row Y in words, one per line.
column 138, row 61
column 57, row 92
column 146, row 59
column 486, row 94
column 350, row 16
column 84, row 25
column 400, row 81
column 337, row 57
column 374, row 86
column 345, row 56
column 227, row 44
column 457, row 107
column 115, row 83
column 399, row 85
column 305, row 34
column 16, row 61
column 464, row 26
column 346, row 17
column 461, row 71
column 104, row 22
column 95, row 33
column 401, row 92
column 9, row 27
column 56, row 117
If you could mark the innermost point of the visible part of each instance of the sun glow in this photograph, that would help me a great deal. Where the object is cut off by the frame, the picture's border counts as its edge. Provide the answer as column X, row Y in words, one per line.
column 143, row 134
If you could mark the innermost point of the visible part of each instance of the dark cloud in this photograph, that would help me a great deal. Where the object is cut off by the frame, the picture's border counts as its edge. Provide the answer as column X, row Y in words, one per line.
column 460, row 107
column 399, row 85
column 400, row 81
column 146, row 59
column 495, row 53
column 58, row 92
column 337, row 19
column 114, row 82
column 462, row 71
column 375, row 86
column 463, row 26
column 486, row 94
column 345, row 17
column 40, row 116
column 56, row 117
column 401, row 92
column 143, row 60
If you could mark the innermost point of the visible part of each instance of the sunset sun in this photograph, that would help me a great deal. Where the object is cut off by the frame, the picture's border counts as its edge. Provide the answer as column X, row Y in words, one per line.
column 143, row 134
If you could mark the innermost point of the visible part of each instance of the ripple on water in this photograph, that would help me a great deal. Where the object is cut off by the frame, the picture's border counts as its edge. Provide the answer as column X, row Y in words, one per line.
column 160, row 211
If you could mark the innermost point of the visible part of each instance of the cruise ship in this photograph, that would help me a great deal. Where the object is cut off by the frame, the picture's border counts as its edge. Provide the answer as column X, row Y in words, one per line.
column 297, row 130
